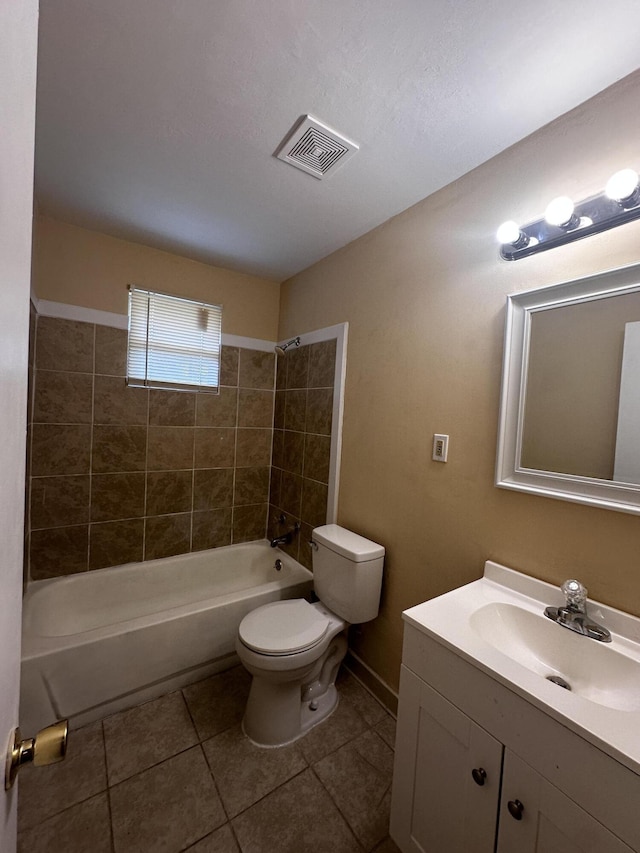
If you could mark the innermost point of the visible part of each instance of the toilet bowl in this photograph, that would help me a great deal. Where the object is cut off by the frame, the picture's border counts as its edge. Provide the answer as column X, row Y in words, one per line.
column 294, row 668
column 293, row 649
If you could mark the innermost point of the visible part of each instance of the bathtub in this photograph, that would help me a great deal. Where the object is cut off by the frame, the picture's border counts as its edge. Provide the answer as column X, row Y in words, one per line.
column 102, row 641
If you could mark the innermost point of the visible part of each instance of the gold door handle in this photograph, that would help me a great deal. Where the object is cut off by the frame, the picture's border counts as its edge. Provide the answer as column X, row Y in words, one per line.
column 47, row 747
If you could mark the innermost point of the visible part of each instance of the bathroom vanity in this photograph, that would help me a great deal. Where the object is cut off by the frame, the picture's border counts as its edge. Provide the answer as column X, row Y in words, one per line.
column 490, row 754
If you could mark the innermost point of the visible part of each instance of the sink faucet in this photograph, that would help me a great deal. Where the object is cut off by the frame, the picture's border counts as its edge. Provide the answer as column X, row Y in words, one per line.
column 574, row 615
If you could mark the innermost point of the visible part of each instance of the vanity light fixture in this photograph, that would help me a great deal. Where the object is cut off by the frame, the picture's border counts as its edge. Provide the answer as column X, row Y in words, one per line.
column 564, row 221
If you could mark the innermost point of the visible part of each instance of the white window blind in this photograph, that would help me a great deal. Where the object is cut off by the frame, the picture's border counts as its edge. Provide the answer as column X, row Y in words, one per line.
column 173, row 342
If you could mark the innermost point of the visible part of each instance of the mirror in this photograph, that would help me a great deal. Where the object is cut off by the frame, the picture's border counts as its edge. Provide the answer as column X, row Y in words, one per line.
column 570, row 407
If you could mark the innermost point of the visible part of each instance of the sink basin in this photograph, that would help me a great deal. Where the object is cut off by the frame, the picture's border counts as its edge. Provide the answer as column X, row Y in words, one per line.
column 498, row 624
column 593, row 670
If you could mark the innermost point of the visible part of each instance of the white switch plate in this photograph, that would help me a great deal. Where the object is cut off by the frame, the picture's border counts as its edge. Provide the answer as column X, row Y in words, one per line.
column 440, row 447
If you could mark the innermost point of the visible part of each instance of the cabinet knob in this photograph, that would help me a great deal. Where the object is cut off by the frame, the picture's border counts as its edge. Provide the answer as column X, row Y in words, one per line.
column 515, row 809
column 479, row 775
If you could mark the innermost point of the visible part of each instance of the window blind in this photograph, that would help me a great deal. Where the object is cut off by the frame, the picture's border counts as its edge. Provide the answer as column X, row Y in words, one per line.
column 173, row 342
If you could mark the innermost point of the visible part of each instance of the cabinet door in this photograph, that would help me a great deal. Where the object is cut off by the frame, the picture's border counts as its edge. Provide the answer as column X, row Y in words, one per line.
column 549, row 822
column 437, row 805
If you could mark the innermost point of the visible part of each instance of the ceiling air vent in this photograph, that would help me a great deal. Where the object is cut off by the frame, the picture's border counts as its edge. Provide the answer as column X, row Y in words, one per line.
column 316, row 148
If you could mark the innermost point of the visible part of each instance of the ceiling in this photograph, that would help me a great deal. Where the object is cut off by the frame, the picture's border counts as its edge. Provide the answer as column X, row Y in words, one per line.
column 157, row 120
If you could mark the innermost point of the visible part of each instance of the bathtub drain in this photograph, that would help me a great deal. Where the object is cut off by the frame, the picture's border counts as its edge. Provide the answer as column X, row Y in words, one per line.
column 557, row 679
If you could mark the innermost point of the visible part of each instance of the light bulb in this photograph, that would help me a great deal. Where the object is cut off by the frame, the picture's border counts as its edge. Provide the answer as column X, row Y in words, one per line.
column 560, row 213
column 622, row 186
column 509, row 234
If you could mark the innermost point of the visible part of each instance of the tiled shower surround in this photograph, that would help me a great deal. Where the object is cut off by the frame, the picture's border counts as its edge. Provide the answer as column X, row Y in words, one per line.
column 123, row 474
column 302, row 443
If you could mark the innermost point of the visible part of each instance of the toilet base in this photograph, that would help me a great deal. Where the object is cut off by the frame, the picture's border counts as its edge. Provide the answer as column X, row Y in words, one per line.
column 282, row 711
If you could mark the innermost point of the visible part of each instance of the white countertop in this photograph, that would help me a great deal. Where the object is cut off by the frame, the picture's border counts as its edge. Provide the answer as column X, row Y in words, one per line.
column 497, row 623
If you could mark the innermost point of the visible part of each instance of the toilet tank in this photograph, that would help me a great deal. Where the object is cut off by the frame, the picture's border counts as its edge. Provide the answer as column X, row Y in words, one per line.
column 347, row 572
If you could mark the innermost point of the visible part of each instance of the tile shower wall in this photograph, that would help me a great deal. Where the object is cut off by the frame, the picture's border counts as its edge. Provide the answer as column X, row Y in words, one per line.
column 302, row 443
column 123, row 474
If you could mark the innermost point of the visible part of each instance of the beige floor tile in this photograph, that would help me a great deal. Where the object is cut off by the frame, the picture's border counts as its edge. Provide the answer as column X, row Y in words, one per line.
column 45, row 791
column 342, row 726
column 364, row 703
column 217, row 703
column 358, row 777
column 84, row 828
column 141, row 737
column 166, row 808
column 387, row 846
column 220, row 841
column 245, row 773
column 296, row 817
column 386, row 728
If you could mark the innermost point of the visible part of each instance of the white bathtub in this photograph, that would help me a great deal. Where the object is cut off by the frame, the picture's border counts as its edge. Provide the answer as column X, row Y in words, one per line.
column 101, row 641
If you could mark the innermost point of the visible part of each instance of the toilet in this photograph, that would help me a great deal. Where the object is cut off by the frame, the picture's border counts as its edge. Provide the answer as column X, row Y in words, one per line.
column 293, row 649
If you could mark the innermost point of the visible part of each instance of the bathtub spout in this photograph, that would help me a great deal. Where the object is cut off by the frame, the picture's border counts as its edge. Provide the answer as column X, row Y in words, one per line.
column 286, row 538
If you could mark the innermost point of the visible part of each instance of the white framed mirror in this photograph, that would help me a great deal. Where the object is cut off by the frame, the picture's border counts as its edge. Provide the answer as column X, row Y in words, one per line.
column 570, row 405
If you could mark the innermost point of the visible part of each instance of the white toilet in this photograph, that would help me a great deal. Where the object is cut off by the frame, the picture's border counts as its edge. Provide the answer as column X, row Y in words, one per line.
column 293, row 649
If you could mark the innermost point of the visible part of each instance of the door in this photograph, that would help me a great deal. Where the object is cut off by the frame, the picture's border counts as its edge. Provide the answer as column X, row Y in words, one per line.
column 446, row 782
column 536, row 817
column 18, row 40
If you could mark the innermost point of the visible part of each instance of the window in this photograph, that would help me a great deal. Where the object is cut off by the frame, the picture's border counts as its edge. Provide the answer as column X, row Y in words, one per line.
column 173, row 342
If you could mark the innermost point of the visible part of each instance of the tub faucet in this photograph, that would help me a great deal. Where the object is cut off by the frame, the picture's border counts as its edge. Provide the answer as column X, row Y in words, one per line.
column 574, row 615
column 286, row 538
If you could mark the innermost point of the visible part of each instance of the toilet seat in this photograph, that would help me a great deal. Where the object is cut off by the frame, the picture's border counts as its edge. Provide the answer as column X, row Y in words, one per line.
column 283, row 627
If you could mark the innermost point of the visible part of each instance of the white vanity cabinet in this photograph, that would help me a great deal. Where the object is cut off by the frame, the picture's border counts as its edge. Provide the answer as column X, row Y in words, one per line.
column 479, row 769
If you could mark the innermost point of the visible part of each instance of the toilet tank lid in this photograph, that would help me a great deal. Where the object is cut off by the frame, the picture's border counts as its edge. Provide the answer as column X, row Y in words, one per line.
column 347, row 544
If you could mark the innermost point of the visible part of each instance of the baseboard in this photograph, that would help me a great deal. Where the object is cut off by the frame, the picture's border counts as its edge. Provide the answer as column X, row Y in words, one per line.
column 372, row 682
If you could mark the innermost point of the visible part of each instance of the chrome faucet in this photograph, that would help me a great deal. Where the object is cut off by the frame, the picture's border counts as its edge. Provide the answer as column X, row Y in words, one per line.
column 286, row 538
column 574, row 615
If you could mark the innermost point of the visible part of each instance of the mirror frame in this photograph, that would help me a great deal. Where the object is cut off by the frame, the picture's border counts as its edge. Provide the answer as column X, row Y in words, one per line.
column 624, row 497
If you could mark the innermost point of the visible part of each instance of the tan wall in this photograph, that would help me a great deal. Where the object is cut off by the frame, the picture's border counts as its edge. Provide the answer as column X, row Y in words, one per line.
column 80, row 267
column 573, row 386
column 425, row 295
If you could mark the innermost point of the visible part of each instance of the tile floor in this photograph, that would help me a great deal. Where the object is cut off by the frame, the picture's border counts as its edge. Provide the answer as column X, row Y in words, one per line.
column 177, row 774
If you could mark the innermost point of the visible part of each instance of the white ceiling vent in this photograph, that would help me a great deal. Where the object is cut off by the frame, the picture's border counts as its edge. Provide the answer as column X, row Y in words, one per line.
column 316, row 148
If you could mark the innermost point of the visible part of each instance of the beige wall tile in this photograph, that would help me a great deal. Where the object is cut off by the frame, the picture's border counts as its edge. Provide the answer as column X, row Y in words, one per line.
column 254, row 448
column 166, row 535
column 230, row 360
column 62, row 397
column 211, row 529
column 172, row 408
column 251, row 486
column 58, row 449
column 59, row 551
column 257, row 369
column 111, row 351
column 169, row 491
column 295, row 410
column 113, row 543
column 249, row 522
column 297, row 367
column 322, row 364
column 64, row 345
column 59, row 501
column 115, row 496
column 170, row 448
column 212, row 488
column 314, row 503
column 219, row 410
column 317, row 455
column 319, row 410
column 214, row 448
column 118, row 448
column 117, row 403
column 255, row 408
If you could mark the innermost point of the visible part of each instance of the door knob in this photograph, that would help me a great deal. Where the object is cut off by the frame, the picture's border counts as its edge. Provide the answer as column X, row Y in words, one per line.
column 47, row 747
